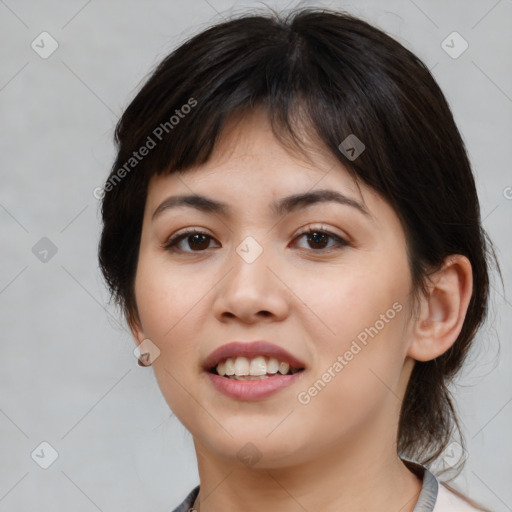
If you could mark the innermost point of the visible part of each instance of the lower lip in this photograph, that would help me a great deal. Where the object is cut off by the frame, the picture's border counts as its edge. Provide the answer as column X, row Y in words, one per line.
column 252, row 389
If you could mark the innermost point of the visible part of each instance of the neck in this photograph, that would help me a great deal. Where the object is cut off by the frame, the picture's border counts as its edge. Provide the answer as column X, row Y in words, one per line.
column 340, row 478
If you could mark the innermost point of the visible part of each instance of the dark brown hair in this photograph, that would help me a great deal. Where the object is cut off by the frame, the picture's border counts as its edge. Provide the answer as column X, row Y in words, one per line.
column 331, row 75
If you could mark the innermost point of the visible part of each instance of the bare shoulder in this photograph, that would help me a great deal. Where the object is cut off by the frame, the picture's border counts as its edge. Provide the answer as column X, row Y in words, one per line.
column 449, row 499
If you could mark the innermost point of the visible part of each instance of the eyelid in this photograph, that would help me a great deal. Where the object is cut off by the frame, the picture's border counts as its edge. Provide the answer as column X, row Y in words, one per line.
column 185, row 232
column 341, row 239
column 320, row 228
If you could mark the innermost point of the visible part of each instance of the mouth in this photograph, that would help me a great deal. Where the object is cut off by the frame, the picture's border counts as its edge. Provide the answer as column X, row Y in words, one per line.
column 251, row 371
column 252, row 361
column 257, row 368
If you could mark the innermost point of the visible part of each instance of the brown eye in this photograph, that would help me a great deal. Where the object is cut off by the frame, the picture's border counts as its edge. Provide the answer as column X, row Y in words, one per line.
column 317, row 239
column 196, row 241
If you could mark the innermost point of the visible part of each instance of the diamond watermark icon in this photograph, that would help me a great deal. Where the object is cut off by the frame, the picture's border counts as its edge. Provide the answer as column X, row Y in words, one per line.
column 452, row 453
column 249, row 250
column 44, row 45
column 249, row 454
column 44, row 455
column 352, row 147
column 146, row 352
column 44, row 250
column 454, row 45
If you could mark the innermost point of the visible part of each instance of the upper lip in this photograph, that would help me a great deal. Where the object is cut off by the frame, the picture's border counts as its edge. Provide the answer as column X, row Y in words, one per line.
column 251, row 349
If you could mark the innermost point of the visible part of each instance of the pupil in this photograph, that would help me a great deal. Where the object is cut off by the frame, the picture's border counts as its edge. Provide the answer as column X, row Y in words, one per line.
column 315, row 236
column 195, row 239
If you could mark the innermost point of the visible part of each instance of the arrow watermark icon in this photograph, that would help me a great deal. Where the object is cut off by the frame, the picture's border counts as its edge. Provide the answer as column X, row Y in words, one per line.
column 352, row 147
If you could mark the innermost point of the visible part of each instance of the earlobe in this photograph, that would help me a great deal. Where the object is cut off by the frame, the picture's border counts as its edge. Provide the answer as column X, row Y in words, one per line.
column 442, row 309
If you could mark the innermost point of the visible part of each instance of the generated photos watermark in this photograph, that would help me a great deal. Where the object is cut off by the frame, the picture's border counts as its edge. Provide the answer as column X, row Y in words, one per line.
column 305, row 397
column 151, row 142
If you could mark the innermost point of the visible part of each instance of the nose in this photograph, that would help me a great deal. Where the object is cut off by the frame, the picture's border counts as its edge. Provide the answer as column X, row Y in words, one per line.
column 251, row 291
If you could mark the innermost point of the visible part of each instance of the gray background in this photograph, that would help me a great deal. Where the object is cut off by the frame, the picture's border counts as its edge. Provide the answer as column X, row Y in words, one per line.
column 68, row 375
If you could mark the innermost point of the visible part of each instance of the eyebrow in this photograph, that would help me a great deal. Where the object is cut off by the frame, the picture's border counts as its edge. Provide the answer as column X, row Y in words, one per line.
column 280, row 207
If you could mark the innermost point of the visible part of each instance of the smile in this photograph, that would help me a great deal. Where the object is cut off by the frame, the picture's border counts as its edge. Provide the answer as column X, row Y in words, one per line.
column 257, row 367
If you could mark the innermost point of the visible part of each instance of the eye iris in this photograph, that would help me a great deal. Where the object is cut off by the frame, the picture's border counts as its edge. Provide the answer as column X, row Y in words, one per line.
column 316, row 237
column 197, row 237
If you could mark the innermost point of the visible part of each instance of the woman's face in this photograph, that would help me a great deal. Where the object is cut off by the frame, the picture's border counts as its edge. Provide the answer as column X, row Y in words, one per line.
column 339, row 302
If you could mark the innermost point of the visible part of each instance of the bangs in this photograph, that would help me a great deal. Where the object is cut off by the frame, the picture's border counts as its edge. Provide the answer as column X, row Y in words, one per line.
column 308, row 81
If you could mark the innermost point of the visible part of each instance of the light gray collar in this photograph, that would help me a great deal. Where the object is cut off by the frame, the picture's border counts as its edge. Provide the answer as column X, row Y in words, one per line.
column 429, row 489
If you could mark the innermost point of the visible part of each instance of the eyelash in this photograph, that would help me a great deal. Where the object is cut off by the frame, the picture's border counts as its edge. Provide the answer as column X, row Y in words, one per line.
column 171, row 243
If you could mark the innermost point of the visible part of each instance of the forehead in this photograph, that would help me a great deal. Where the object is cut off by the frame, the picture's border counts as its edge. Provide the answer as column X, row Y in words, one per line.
column 248, row 158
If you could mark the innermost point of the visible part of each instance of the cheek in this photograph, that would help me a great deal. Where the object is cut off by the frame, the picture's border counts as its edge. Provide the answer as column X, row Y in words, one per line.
column 362, row 322
column 356, row 378
column 166, row 297
column 172, row 304
column 347, row 301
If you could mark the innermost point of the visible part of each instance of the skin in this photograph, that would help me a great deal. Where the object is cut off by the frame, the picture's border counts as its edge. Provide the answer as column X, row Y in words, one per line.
column 338, row 452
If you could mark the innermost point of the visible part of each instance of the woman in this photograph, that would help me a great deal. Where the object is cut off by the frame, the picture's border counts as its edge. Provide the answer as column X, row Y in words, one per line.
column 293, row 232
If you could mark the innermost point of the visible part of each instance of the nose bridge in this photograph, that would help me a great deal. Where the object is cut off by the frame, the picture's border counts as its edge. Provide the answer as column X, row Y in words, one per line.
column 249, row 261
column 250, row 288
column 250, row 249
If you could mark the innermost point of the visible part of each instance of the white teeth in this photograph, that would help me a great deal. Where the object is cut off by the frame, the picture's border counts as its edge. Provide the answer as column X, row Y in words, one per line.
column 249, row 377
column 241, row 366
column 229, row 368
column 284, row 368
column 257, row 367
column 221, row 367
column 272, row 365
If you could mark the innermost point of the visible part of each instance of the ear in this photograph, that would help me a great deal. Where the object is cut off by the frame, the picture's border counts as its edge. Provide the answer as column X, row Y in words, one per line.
column 442, row 309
